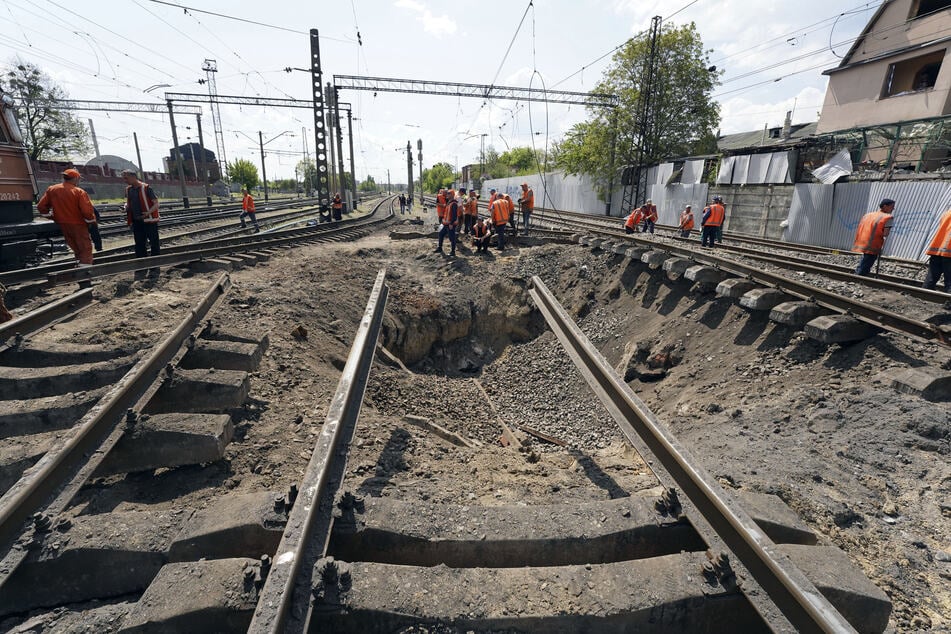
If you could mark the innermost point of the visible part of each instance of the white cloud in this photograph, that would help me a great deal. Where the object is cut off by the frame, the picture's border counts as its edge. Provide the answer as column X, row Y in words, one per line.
column 438, row 25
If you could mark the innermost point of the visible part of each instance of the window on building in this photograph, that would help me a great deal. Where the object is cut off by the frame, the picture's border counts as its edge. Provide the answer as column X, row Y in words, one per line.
column 925, row 7
column 913, row 75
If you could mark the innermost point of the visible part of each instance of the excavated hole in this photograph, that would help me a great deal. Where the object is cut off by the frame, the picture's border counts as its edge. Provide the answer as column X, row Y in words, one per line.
column 457, row 336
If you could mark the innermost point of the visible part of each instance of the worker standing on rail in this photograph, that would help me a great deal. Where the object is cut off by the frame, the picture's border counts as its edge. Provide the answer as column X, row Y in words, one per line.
column 247, row 210
column 649, row 213
column 939, row 255
column 70, row 207
column 142, row 214
column 686, row 222
column 448, row 224
column 711, row 221
column 870, row 237
column 527, row 204
column 500, row 218
column 337, row 206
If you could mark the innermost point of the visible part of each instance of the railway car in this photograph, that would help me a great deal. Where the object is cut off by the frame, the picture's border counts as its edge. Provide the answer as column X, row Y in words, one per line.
column 20, row 233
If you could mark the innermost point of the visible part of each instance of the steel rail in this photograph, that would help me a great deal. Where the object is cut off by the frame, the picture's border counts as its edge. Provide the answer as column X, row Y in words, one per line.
column 283, row 602
column 83, row 444
column 46, row 315
column 805, row 608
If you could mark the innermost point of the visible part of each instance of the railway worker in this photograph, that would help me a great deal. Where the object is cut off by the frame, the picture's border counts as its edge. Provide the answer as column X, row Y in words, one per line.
column 870, row 237
column 686, row 222
column 480, row 235
column 711, row 221
column 471, row 211
column 247, row 210
column 511, row 205
column 939, row 255
column 402, row 204
column 337, row 206
column 449, row 223
column 500, row 218
column 70, row 207
column 633, row 221
column 527, row 205
column 94, row 234
column 492, row 196
column 649, row 213
column 440, row 204
column 142, row 214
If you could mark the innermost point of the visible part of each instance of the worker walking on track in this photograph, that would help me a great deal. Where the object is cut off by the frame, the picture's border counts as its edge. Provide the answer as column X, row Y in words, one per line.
column 70, row 207
column 142, row 214
column 448, row 224
column 527, row 204
column 870, row 237
column 686, row 222
column 500, row 218
column 939, row 255
column 711, row 221
column 649, row 213
column 247, row 210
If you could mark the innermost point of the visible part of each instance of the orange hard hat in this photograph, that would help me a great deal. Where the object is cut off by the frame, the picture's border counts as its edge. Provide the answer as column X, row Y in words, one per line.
column 71, row 173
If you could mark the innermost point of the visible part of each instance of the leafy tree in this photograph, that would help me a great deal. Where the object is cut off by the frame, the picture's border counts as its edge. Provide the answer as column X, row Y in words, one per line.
column 369, row 185
column 243, row 172
column 438, row 176
column 307, row 170
column 685, row 114
column 284, row 185
column 49, row 131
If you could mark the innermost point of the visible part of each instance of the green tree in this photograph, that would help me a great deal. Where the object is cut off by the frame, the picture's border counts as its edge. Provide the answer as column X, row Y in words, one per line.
column 438, row 176
column 243, row 172
column 284, row 185
column 48, row 130
column 521, row 160
column 307, row 171
column 685, row 114
column 369, row 185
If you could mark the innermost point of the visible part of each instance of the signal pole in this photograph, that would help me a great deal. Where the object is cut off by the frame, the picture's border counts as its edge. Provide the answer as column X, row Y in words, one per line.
column 409, row 171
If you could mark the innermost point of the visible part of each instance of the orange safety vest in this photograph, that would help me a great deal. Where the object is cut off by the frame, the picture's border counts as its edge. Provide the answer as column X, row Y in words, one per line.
column 717, row 215
column 447, row 215
column 492, row 199
column 440, row 205
column 633, row 219
column 528, row 199
column 686, row 220
column 500, row 212
column 337, row 203
column 480, row 231
column 649, row 212
column 870, row 238
column 511, row 205
column 149, row 214
column 248, row 204
column 941, row 244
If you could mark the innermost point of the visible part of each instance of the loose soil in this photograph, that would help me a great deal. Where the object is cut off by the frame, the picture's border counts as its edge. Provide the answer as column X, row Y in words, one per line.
column 762, row 407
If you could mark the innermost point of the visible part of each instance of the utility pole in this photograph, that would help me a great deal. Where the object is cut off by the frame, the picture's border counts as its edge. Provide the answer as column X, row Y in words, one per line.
column 95, row 141
column 177, row 154
column 210, row 67
column 263, row 167
column 329, row 100
column 353, row 170
column 320, row 134
column 642, row 142
column 409, row 171
column 204, row 167
column 343, row 177
column 389, row 187
column 419, row 147
column 138, row 154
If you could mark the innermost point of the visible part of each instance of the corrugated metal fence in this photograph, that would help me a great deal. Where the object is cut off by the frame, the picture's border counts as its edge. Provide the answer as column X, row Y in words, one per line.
column 828, row 215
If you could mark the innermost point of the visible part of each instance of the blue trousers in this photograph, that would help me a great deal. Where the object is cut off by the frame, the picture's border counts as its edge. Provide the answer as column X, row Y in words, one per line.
column 938, row 266
column 445, row 230
column 866, row 263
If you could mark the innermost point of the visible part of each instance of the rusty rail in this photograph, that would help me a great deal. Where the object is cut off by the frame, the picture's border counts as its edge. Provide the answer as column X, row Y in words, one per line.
column 718, row 519
column 283, row 604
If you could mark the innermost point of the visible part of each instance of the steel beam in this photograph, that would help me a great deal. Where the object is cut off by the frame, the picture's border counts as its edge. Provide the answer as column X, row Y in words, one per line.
column 112, row 106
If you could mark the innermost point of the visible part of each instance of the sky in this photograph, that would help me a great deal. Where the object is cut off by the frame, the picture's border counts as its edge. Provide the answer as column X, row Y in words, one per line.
column 126, row 50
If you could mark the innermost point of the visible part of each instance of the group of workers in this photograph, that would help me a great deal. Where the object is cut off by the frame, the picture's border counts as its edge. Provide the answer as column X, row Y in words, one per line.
column 69, row 206
column 644, row 218
column 459, row 210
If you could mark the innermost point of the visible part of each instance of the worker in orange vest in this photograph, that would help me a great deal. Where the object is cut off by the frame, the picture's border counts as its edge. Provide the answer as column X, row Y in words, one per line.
column 649, row 213
column 142, row 214
column 492, row 197
column 511, row 207
column 72, row 210
column 440, row 204
column 500, row 218
column 939, row 255
column 470, row 211
column 686, row 222
column 630, row 225
column 337, row 206
column 480, row 236
column 247, row 210
column 448, row 223
column 711, row 221
column 527, row 204
column 870, row 237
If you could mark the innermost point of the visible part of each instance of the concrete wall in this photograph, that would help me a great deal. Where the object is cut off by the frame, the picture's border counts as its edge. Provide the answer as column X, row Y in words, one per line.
column 755, row 209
